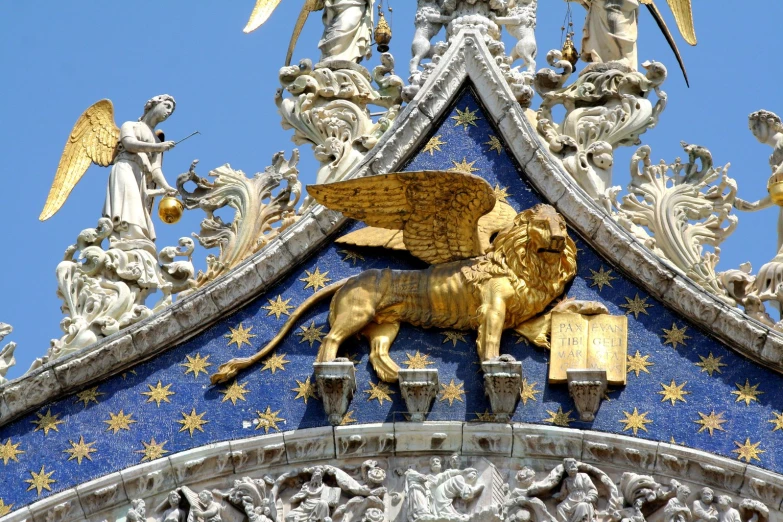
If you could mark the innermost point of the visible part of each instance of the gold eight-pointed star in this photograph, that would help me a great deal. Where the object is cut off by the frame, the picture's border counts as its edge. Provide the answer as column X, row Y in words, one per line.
column 639, row 363
column 560, row 418
column 434, row 145
column 235, row 392
column 80, row 450
column 379, row 392
column 40, row 481
column 304, row 390
column 278, row 307
column 239, row 336
column 452, row 392
column 196, row 365
column 713, row 421
column 466, row 117
column 152, row 450
column 748, row 451
column 675, row 336
column 636, row 306
column 746, row 392
column 158, row 393
column 268, row 420
column 635, row 421
column 315, row 280
column 673, row 392
column 601, row 278
column 275, row 362
column 192, row 421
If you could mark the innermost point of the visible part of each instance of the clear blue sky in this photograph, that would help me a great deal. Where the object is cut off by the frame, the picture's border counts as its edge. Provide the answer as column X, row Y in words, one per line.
column 57, row 58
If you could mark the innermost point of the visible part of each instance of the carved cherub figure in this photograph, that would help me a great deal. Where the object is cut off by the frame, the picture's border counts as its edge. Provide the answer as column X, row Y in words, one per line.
column 520, row 22
column 704, row 506
column 208, row 509
column 137, row 512
column 135, row 153
column 173, row 508
column 429, row 20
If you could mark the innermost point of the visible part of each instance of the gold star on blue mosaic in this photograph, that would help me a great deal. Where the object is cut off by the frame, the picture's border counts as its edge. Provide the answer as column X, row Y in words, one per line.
column 41, row 480
column 80, row 450
column 639, row 363
column 311, row 334
column 239, row 336
column 710, row 422
column 315, row 280
column 5, row 508
column 196, row 365
column 119, row 421
column 453, row 336
column 192, row 421
column 434, row 145
column 528, row 392
column 9, row 451
column 351, row 257
column 278, row 307
column 675, row 336
column 466, row 117
column 464, row 166
column 152, row 450
column 777, row 420
column 748, row 451
column 268, row 420
column 560, row 418
column 418, row 361
column 88, row 396
column 275, row 362
column 494, row 144
column 47, row 422
column 304, row 390
column 158, row 393
column 711, row 364
column 379, row 392
column 347, row 419
column 747, row 393
column 452, row 392
column 635, row 421
column 487, row 416
column 501, row 193
column 636, row 306
column 601, row 278
column 673, row 392
column 235, row 392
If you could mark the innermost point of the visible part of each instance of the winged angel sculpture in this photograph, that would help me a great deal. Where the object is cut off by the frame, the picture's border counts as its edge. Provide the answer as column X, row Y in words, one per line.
column 447, row 220
column 348, row 27
column 135, row 154
column 611, row 29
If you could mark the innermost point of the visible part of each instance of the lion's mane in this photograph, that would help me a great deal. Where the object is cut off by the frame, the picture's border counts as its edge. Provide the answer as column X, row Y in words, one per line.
column 536, row 282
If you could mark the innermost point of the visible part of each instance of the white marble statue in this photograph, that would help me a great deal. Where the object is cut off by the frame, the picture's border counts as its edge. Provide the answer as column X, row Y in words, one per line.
column 520, row 22
column 348, row 26
column 704, row 509
column 578, row 495
column 7, row 359
column 428, row 22
column 677, row 509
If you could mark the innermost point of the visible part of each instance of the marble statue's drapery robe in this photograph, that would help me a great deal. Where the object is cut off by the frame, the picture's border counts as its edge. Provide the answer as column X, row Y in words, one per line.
column 611, row 31
column 581, row 494
column 126, row 193
column 348, row 26
column 445, row 493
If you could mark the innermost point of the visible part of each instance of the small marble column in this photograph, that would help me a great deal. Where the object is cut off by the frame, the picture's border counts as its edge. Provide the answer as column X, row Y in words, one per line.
column 419, row 388
column 336, row 383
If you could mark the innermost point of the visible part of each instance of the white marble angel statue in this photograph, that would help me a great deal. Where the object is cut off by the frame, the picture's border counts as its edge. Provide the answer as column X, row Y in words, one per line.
column 611, row 29
column 348, row 26
column 135, row 154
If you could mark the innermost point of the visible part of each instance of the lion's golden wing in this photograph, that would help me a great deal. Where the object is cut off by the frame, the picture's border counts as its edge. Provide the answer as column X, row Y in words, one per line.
column 261, row 13
column 94, row 139
column 373, row 237
column 437, row 211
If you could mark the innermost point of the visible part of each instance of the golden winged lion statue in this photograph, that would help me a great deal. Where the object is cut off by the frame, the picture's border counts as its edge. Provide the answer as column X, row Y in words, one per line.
column 134, row 152
column 447, row 220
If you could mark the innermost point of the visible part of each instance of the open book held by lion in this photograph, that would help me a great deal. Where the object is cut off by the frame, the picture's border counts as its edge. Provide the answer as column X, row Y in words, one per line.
column 446, row 219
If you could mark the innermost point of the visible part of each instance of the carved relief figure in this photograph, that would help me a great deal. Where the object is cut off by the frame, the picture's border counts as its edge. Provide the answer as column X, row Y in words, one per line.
column 521, row 24
column 704, row 507
column 520, row 506
column 578, row 495
column 726, row 512
column 676, row 509
column 135, row 154
column 137, row 512
column 173, row 508
column 314, row 500
column 207, row 510
column 430, row 498
column 500, row 286
column 428, row 22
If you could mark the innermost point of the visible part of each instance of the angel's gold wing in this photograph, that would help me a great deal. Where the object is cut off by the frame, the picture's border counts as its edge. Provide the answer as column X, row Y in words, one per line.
column 264, row 9
column 261, row 13
column 94, row 139
column 683, row 16
column 501, row 217
column 437, row 211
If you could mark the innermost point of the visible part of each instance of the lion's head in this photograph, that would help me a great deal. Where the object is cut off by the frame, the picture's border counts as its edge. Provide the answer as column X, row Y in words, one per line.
column 535, row 253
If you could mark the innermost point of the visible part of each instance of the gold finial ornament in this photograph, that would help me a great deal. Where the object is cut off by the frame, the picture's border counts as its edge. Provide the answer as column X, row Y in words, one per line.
column 383, row 33
column 170, row 210
column 569, row 51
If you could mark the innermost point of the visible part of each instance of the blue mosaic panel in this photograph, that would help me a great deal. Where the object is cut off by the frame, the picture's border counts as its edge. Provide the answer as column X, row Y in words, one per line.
column 683, row 385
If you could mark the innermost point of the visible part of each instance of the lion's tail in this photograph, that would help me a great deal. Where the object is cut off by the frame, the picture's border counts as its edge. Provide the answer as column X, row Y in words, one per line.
column 230, row 369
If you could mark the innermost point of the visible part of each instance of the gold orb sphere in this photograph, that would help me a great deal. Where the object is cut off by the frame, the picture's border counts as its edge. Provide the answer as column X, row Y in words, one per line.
column 170, row 210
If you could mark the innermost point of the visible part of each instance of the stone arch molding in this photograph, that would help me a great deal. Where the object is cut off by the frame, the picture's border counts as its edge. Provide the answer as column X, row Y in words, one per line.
column 382, row 472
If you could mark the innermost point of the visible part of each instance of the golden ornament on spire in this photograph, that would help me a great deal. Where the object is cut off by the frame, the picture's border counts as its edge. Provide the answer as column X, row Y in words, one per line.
column 383, row 33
